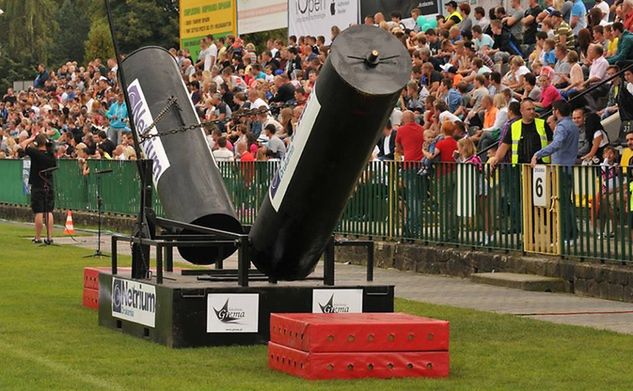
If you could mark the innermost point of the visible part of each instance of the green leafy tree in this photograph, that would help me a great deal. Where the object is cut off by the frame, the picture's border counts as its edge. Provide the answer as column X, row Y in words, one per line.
column 12, row 70
column 259, row 39
column 28, row 27
column 73, row 32
column 99, row 43
column 141, row 23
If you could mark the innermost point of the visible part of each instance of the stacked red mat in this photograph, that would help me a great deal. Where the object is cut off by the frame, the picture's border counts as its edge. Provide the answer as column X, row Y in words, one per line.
column 91, row 288
column 347, row 346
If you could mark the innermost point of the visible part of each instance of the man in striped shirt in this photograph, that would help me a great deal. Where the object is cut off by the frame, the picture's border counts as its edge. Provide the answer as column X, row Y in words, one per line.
column 562, row 31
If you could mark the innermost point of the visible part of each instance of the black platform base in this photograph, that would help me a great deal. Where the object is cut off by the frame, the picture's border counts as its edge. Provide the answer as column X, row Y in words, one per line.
column 186, row 311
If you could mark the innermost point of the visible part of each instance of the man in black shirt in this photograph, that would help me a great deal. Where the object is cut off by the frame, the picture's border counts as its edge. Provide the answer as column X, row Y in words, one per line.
column 104, row 143
column 40, row 150
column 529, row 141
column 285, row 89
column 530, row 24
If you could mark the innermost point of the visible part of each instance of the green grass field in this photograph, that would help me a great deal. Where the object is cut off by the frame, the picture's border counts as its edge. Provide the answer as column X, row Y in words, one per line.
column 49, row 341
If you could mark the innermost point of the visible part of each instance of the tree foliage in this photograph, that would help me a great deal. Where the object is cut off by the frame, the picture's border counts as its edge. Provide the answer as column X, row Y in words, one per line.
column 73, row 32
column 260, row 39
column 99, row 43
column 28, row 28
column 145, row 22
column 55, row 31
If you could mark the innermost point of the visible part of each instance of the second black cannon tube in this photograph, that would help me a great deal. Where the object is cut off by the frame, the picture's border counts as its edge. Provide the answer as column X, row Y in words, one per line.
column 354, row 95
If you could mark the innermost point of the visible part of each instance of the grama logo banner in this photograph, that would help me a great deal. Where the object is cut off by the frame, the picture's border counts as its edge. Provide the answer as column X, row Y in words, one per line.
column 233, row 313
column 332, row 301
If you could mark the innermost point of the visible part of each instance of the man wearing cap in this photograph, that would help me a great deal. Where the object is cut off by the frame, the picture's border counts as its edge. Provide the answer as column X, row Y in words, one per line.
column 562, row 32
column 454, row 17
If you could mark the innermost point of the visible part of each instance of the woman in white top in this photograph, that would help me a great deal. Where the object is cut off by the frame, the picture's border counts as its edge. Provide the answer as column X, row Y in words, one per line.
column 575, row 79
column 514, row 78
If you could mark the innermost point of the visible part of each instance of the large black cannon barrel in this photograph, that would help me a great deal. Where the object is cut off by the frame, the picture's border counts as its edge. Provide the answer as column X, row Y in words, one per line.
column 356, row 91
column 185, row 175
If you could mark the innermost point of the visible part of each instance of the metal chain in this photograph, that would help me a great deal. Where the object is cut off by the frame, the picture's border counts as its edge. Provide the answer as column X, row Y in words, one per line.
column 170, row 102
column 238, row 114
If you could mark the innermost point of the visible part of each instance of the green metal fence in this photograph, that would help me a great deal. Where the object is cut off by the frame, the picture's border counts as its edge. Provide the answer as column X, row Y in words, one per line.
column 596, row 213
column 456, row 204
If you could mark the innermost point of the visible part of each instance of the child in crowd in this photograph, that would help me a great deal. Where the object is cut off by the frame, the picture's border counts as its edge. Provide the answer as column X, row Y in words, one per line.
column 609, row 191
column 430, row 139
column 467, row 154
column 549, row 57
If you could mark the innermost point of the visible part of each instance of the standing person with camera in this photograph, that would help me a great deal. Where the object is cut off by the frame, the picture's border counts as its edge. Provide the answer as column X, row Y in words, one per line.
column 40, row 149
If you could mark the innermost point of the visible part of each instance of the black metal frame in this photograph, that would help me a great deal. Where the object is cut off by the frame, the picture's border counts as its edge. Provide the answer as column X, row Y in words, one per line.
column 243, row 275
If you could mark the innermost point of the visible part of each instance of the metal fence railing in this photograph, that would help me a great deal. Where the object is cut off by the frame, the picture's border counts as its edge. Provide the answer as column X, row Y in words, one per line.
column 580, row 212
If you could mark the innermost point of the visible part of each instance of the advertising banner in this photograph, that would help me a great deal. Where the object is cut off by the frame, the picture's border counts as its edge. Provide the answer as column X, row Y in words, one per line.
column 134, row 301
column 261, row 15
column 316, row 17
column 331, row 301
column 199, row 18
column 370, row 7
column 233, row 313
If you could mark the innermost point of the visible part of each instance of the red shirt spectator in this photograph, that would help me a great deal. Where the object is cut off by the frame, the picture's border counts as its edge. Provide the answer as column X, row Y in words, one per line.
column 549, row 93
column 628, row 21
column 446, row 146
column 247, row 157
column 410, row 138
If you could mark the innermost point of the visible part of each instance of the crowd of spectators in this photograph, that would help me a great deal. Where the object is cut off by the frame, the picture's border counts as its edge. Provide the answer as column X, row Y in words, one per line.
column 469, row 66
column 475, row 73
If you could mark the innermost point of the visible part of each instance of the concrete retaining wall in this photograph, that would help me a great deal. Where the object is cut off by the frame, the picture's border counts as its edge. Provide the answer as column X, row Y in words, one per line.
column 607, row 281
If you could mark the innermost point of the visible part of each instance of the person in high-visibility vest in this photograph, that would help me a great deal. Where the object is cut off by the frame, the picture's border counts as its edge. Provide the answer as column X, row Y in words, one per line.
column 627, row 163
column 525, row 138
column 454, row 17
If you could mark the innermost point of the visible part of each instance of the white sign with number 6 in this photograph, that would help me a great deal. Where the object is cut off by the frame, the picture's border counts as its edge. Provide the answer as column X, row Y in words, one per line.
column 539, row 187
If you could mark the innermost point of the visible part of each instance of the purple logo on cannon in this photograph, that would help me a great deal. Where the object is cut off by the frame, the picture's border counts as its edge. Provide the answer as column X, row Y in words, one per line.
column 142, row 117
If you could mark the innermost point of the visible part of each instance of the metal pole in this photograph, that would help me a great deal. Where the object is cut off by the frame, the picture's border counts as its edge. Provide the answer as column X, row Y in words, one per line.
column 370, row 261
column 142, row 271
column 114, row 254
column 243, row 262
column 328, row 263
column 123, row 84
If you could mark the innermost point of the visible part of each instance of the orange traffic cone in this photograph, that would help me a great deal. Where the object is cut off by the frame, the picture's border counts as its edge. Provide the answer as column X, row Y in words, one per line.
column 69, row 229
